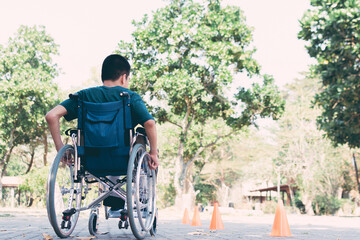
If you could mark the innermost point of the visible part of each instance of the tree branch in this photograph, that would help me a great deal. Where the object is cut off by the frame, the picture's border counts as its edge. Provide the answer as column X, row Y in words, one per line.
column 173, row 123
column 202, row 148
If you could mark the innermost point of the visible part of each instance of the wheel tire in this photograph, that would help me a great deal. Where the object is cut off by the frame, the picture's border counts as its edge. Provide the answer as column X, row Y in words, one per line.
column 61, row 182
column 154, row 226
column 106, row 212
column 135, row 214
column 93, row 223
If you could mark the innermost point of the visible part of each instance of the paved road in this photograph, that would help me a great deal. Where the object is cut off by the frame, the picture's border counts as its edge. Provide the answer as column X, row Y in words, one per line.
column 21, row 224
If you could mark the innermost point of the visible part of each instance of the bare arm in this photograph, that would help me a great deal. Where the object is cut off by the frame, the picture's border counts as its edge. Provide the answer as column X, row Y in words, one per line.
column 53, row 120
column 150, row 129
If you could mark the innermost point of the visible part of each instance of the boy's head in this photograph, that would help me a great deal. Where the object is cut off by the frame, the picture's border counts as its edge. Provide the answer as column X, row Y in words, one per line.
column 114, row 66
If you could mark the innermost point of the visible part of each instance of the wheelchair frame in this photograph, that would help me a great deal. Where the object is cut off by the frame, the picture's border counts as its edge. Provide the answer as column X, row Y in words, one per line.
column 139, row 197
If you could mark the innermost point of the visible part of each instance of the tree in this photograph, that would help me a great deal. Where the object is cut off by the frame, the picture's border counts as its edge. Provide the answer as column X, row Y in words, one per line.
column 185, row 58
column 26, row 90
column 331, row 29
column 33, row 186
column 244, row 159
column 306, row 158
column 216, row 179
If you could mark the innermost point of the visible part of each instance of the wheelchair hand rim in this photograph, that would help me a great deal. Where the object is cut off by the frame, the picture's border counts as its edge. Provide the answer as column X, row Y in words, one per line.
column 138, row 203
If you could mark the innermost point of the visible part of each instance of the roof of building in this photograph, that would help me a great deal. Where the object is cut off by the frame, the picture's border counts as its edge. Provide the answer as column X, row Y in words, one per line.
column 8, row 181
column 284, row 187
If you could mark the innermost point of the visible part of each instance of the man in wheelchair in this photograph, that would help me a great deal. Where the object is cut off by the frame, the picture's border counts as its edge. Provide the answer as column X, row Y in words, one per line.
column 103, row 149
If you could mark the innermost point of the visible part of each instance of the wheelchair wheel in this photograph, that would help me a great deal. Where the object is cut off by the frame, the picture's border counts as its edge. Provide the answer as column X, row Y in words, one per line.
column 93, row 223
column 141, row 192
column 63, row 194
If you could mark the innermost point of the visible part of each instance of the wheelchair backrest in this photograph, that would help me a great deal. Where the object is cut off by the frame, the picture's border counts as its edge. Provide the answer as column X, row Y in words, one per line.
column 105, row 133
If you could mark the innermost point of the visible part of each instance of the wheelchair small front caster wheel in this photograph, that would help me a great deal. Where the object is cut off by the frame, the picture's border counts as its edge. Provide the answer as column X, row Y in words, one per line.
column 93, row 224
column 123, row 224
column 65, row 225
column 106, row 212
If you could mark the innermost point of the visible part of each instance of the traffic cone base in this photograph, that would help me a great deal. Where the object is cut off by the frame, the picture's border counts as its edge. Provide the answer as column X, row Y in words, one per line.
column 196, row 219
column 186, row 218
column 216, row 221
column 281, row 226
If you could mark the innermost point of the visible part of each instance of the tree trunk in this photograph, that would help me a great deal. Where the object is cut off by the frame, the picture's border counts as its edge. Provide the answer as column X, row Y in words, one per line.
column 6, row 160
column 185, row 193
column 186, row 197
column 178, row 184
column 3, row 164
column 1, row 195
column 308, row 205
column 356, row 172
column 223, row 195
column 292, row 197
column 32, row 154
column 339, row 193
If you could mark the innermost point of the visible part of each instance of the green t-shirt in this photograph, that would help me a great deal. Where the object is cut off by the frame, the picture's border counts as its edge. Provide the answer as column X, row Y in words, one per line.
column 102, row 94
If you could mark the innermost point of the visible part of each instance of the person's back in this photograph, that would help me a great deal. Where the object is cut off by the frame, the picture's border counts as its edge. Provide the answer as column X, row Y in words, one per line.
column 103, row 94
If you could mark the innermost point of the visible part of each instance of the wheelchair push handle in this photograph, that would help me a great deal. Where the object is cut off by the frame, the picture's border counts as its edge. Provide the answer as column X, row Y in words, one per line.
column 74, row 96
column 124, row 94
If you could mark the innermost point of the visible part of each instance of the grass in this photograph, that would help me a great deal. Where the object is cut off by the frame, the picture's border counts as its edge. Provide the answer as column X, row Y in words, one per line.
column 6, row 215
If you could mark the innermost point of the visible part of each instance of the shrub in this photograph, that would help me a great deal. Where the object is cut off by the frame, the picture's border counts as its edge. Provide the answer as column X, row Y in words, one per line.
column 300, row 205
column 268, row 207
column 326, row 205
column 347, row 207
column 166, row 195
column 35, row 186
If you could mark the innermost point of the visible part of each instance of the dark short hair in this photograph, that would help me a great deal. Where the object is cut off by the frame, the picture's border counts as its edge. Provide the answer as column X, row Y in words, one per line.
column 114, row 66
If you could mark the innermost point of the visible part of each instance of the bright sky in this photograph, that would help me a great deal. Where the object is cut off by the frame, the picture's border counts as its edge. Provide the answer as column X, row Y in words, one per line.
column 87, row 31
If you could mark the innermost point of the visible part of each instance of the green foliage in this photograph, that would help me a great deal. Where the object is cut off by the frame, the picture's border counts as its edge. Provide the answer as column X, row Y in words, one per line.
column 184, row 59
column 325, row 204
column 186, row 56
column 35, row 185
column 299, row 204
column 305, row 157
column 24, row 107
column 17, row 166
column 217, row 172
column 331, row 29
column 166, row 196
column 26, row 88
column 207, row 193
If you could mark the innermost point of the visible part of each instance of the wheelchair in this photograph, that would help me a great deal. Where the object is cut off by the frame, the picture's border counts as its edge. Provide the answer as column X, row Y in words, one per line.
column 107, row 154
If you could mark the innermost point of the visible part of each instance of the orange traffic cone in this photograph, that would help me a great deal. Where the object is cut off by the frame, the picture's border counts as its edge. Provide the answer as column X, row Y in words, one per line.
column 216, row 221
column 186, row 218
column 196, row 219
column 281, row 226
